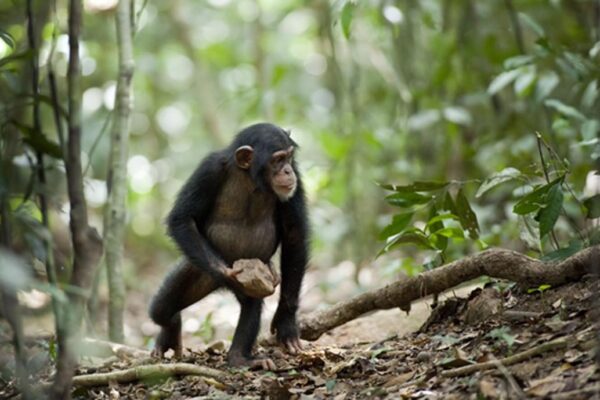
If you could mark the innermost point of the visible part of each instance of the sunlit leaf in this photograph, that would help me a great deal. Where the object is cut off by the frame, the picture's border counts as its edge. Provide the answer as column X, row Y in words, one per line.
column 525, row 82
column 450, row 232
column 424, row 119
column 346, row 17
column 527, row 20
column 417, row 186
column 507, row 174
column 418, row 239
column 591, row 94
column 518, row 61
column 564, row 109
column 502, row 80
column 7, row 38
column 595, row 50
column 589, row 129
column 548, row 215
column 457, row 115
column 399, row 222
column 546, row 83
column 439, row 218
column 407, row 199
column 536, row 199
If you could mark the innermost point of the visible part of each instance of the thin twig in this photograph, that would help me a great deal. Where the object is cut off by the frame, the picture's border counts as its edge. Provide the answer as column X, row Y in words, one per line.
column 511, row 380
column 516, row 26
column 557, row 157
column 547, row 176
column 514, row 359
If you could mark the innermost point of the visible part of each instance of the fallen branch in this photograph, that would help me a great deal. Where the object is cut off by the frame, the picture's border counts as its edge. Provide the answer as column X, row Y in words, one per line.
column 143, row 372
column 495, row 263
column 514, row 359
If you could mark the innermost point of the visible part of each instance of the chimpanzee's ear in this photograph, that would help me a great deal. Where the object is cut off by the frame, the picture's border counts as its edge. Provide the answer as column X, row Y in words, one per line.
column 243, row 156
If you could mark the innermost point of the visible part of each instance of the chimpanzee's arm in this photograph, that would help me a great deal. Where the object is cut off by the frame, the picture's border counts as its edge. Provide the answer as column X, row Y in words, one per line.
column 294, row 257
column 193, row 204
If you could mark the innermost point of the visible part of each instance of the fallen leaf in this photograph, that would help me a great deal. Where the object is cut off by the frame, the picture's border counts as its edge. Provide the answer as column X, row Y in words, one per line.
column 400, row 379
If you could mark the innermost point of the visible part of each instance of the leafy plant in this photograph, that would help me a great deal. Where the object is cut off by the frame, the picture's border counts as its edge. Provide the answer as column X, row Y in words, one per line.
column 540, row 289
column 433, row 214
column 503, row 334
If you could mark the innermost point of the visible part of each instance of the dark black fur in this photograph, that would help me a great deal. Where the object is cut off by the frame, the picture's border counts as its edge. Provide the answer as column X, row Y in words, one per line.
column 219, row 217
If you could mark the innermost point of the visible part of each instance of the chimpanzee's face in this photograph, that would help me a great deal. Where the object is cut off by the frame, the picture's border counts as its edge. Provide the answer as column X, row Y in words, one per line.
column 276, row 171
column 282, row 177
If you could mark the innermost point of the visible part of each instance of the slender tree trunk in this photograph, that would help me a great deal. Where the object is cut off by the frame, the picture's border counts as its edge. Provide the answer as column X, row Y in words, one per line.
column 87, row 244
column 114, row 215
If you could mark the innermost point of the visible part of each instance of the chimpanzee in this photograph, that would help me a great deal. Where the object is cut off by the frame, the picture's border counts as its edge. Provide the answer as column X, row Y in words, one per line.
column 240, row 203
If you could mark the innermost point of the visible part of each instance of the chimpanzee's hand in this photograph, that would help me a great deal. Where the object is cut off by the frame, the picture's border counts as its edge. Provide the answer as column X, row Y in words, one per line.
column 285, row 327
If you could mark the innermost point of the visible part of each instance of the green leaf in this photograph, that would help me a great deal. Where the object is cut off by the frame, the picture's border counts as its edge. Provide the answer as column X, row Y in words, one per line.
column 536, row 199
column 450, row 232
column 507, row 174
column 527, row 20
column 417, row 238
column 592, row 206
column 548, row 215
column 565, row 252
column 417, row 186
column 407, row 199
column 502, row 80
column 43, row 145
column 591, row 94
column 346, row 17
column 518, row 61
column 7, row 38
column 448, row 204
column 546, row 83
column 589, row 130
column 438, row 218
column 399, row 222
column 436, row 224
column 525, row 82
column 565, row 110
column 466, row 215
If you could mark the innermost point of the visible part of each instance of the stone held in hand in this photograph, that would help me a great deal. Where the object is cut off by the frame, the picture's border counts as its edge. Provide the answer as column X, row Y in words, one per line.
column 256, row 277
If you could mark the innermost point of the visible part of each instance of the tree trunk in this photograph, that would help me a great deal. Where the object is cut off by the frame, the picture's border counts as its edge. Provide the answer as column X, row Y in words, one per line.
column 114, row 215
column 87, row 244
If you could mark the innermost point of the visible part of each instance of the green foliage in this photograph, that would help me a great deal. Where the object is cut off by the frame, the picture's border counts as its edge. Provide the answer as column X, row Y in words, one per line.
column 207, row 330
column 386, row 92
column 346, row 17
column 448, row 216
column 503, row 334
column 540, row 289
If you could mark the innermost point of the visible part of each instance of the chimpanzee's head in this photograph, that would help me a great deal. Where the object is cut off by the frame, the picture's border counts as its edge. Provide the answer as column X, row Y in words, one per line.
column 267, row 152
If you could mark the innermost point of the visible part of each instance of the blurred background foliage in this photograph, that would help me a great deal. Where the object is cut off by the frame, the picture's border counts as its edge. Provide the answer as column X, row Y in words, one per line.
column 375, row 91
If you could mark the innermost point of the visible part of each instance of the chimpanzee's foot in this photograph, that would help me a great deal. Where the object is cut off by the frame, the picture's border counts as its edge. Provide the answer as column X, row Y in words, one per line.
column 238, row 360
column 166, row 340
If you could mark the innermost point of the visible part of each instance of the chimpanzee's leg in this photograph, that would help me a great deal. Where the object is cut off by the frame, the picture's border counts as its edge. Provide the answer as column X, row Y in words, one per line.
column 240, row 353
column 183, row 286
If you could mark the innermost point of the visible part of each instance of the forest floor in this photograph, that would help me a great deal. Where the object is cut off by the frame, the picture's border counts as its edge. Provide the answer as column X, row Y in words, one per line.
column 491, row 344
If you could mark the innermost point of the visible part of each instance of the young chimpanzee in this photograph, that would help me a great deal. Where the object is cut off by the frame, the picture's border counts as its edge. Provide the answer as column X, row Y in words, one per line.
column 240, row 203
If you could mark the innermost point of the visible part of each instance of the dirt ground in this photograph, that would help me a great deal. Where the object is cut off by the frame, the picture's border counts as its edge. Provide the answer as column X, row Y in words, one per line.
column 498, row 342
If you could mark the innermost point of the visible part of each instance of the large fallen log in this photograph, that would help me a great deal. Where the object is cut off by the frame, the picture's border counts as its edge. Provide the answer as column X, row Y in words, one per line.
column 495, row 263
